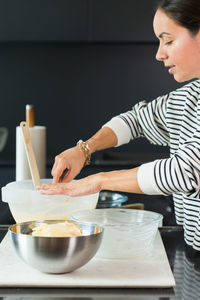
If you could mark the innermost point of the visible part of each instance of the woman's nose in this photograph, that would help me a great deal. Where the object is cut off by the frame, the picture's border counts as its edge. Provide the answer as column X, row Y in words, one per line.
column 161, row 54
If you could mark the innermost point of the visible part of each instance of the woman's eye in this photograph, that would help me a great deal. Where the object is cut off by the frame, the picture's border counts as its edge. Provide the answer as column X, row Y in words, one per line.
column 168, row 43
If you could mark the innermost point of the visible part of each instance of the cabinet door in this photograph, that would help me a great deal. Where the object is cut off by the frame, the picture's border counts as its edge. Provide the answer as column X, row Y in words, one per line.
column 43, row 20
column 121, row 20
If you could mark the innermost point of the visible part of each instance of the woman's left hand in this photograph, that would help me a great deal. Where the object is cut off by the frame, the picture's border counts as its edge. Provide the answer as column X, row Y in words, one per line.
column 122, row 180
column 85, row 186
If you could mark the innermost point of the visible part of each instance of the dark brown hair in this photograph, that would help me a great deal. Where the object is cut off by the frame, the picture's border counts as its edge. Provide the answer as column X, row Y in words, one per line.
column 184, row 12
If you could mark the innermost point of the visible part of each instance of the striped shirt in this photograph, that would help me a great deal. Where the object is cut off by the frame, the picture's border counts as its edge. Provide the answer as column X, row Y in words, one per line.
column 171, row 120
column 187, row 277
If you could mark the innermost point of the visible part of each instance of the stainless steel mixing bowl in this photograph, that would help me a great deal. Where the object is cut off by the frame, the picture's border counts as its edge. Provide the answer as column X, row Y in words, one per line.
column 55, row 254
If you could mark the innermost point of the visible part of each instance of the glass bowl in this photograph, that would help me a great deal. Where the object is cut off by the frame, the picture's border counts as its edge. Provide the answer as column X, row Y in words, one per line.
column 127, row 232
column 110, row 199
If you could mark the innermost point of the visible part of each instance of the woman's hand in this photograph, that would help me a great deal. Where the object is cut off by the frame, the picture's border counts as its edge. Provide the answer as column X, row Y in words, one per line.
column 85, row 186
column 123, row 180
column 68, row 165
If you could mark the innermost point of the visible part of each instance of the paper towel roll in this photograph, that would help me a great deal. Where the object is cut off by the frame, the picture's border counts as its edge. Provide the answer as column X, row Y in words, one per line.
column 38, row 139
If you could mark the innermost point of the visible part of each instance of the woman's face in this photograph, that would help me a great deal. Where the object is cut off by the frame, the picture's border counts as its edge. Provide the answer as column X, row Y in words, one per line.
column 178, row 49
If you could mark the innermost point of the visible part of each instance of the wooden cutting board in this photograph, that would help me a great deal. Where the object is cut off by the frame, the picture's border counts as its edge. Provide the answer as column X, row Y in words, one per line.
column 150, row 271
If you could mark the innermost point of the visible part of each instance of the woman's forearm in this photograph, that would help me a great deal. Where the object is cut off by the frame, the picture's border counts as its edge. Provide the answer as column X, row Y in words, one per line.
column 104, row 138
column 123, row 181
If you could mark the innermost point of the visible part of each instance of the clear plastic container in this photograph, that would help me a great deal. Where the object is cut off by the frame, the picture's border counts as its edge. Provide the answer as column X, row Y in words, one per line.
column 27, row 204
column 127, row 232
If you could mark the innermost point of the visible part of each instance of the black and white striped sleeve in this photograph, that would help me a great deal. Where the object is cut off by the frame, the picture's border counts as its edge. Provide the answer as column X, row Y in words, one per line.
column 144, row 120
column 179, row 173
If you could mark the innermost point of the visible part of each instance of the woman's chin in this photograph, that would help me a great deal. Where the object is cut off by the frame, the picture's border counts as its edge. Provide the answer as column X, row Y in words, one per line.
column 180, row 79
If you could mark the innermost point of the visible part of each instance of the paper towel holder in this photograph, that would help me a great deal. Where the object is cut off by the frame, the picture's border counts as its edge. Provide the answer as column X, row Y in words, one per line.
column 30, row 154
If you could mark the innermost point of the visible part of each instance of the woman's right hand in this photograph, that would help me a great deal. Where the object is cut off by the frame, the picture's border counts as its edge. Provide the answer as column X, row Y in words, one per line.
column 68, row 165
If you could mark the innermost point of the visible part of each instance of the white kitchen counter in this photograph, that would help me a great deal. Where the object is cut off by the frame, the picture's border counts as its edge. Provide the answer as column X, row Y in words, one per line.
column 151, row 270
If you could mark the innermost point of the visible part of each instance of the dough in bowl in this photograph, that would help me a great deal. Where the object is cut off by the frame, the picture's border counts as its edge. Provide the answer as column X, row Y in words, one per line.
column 61, row 229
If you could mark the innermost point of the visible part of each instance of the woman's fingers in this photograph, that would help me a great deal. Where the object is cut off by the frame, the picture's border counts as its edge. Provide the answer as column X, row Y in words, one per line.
column 64, row 175
column 68, row 177
column 53, row 189
column 85, row 186
column 58, row 168
column 71, row 160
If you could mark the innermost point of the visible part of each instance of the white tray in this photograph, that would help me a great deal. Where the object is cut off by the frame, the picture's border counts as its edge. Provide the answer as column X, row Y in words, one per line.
column 150, row 271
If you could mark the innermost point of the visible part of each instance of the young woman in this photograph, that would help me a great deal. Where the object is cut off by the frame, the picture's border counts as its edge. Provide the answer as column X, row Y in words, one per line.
column 171, row 120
